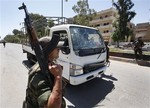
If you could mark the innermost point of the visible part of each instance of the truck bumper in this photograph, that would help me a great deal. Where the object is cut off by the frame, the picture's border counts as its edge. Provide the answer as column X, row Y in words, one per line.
column 76, row 80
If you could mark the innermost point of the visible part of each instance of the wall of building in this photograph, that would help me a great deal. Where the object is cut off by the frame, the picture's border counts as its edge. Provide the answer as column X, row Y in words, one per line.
column 143, row 30
column 104, row 22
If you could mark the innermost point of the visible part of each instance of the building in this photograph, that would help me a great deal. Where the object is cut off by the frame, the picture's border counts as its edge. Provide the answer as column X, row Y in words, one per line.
column 103, row 21
column 143, row 30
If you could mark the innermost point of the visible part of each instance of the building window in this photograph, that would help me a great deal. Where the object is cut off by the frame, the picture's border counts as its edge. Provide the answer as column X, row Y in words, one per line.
column 101, row 17
column 106, row 31
column 97, row 25
column 106, row 24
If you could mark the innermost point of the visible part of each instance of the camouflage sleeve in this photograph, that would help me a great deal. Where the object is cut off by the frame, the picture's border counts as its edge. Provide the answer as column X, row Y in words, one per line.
column 43, row 98
column 42, row 89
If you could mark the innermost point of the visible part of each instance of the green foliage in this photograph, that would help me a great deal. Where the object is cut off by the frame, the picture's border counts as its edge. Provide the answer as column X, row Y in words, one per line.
column 50, row 23
column 116, row 35
column 84, row 13
column 16, row 32
column 12, row 38
column 17, row 37
column 125, row 16
column 39, row 23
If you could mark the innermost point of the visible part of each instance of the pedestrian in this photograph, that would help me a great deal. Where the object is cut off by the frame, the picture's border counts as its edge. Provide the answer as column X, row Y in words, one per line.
column 107, row 49
column 40, row 93
column 4, row 43
column 138, row 44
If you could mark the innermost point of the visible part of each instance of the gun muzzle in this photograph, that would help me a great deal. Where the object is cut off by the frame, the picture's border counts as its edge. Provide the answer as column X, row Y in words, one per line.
column 22, row 7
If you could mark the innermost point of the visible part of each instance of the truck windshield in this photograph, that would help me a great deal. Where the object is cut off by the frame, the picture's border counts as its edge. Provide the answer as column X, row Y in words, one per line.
column 86, row 40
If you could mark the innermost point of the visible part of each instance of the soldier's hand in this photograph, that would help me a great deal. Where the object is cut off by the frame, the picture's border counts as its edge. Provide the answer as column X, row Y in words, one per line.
column 56, row 70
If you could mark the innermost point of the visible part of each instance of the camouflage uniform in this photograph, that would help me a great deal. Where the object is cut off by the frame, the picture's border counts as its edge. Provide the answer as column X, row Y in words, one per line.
column 38, row 89
column 138, row 44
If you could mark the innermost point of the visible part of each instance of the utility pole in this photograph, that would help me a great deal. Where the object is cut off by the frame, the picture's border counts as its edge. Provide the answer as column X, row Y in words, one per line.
column 149, row 16
column 62, row 10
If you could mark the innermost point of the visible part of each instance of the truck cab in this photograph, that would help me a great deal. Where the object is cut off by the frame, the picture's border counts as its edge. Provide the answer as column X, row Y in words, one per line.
column 84, row 55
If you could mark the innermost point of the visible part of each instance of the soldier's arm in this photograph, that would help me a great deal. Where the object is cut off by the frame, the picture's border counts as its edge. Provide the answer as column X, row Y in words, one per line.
column 55, row 98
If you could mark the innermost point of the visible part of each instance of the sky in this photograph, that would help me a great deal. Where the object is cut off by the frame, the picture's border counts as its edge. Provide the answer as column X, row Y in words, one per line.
column 11, row 17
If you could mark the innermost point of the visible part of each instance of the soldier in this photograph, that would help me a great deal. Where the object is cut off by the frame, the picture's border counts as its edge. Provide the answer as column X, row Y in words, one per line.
column 40, row 93
column 4, row 43
column 107, row 48
column 138, row 44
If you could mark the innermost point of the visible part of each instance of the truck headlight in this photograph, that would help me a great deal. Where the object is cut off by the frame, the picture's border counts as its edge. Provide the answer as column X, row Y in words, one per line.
column 75, row 70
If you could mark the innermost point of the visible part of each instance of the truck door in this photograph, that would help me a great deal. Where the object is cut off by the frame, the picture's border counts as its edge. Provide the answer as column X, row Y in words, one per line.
column 64, row 54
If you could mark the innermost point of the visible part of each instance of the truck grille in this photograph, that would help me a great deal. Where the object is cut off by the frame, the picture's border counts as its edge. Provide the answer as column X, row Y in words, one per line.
column 92, row 67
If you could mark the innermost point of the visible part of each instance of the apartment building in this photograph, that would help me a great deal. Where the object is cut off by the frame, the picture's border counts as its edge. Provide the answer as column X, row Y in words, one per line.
column 143, row 30
column 103, row 21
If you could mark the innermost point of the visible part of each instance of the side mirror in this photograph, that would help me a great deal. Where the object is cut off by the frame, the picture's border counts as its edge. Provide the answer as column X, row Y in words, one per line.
column 65, row 50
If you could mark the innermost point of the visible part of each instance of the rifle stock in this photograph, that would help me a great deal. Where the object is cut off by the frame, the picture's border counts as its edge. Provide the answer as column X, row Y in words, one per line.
column 43, row 62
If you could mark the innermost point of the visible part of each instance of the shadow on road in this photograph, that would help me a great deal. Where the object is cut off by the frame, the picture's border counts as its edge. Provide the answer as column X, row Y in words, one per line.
column 143, row 63
column 27, row 64
column 89, row 94
column 109, row 77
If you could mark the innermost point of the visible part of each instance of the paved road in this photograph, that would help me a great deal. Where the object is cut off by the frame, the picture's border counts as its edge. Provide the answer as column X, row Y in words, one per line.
column 124, row 85
column 13, row 76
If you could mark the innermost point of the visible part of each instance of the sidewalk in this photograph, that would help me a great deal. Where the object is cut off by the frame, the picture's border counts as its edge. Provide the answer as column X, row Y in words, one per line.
column 128, row 60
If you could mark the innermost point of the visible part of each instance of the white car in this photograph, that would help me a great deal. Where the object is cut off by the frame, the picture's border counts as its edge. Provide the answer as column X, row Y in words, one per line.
column 146, row 47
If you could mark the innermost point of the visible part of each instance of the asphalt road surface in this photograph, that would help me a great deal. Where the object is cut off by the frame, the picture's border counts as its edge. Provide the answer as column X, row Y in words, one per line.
column 124, row 85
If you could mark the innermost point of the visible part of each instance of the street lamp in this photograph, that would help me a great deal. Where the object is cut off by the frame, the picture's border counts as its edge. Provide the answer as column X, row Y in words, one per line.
column 149, row 17
column 62, row 10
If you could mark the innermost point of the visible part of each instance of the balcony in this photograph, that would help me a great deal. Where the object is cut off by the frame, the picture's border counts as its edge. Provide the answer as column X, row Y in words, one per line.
column 105, row 26
column 106, row 34
column 102, row 20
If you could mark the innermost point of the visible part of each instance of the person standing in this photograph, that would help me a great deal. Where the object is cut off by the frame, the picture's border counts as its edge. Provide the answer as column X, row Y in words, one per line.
column 107, row 48
column 40, row 92
column 138, row 44
column 4, row 43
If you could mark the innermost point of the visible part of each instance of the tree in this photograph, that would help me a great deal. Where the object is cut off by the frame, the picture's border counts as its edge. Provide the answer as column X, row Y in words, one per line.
column 125, row 15
column 50, row 23
column 39, row 23
column 16, row 32
column 12, row 38
column 84, row 13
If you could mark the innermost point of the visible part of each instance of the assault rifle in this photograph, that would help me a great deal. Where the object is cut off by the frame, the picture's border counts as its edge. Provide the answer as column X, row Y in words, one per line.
column 39, row 52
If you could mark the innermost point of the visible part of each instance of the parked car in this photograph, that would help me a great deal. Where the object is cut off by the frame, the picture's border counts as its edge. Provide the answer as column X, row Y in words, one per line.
column 146, row 47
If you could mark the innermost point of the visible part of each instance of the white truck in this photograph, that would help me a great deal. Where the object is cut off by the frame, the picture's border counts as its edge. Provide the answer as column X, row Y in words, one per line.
column 84, row 56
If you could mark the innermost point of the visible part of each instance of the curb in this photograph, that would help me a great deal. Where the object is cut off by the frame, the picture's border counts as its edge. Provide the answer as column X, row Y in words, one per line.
column 123, row 59
column 128, row 60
